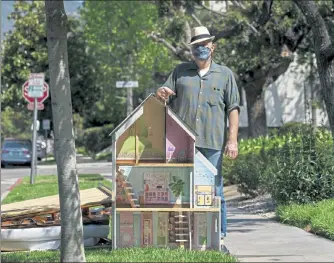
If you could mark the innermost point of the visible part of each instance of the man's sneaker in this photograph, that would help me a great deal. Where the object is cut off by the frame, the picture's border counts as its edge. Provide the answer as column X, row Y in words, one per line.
column 223, row 248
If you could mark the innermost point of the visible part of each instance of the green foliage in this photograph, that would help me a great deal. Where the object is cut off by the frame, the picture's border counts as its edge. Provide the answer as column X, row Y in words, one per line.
column 177, row 186
column 294, row 167
column 303, row 172
column 132, row 254
column 25, row 51
column 95, row 139
column 15, row 124
column 117, row 36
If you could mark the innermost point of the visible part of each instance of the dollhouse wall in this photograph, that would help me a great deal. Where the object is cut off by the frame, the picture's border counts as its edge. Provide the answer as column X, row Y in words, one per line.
column 153, row 229
column 150, row 129
column 206, row 231
column 204, row 182
column 156, row 177
column 179, row 145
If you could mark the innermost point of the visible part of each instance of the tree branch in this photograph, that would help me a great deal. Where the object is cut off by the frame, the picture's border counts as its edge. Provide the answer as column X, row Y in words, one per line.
column 266, row 12
column 213, row 11
column 181, row 53
column 196, row 19
column 322, row 40
column 227, row 33
column 328, row 51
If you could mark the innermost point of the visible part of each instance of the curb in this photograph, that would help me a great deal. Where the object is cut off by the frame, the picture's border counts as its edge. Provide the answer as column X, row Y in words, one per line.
column 3, row 196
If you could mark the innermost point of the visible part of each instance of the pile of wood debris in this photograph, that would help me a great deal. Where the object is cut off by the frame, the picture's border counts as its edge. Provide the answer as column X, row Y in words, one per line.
column 19, row 220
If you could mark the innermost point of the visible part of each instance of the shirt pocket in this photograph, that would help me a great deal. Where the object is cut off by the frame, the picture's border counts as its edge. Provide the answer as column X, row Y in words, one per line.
column 216, row 94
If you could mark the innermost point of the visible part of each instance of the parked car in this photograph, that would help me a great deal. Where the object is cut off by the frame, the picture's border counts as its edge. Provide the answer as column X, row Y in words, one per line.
column 16, row 151
column 19, row 151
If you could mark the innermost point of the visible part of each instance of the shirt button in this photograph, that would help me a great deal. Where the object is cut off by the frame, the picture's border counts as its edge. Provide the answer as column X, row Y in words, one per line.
column 197, row 119
column 201, row 92
column 199, row 106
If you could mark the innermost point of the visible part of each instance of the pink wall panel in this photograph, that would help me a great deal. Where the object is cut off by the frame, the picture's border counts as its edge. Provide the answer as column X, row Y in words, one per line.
column 179, row 145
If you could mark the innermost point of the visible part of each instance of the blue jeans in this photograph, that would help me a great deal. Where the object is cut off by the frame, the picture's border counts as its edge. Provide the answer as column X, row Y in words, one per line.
column 216, row 158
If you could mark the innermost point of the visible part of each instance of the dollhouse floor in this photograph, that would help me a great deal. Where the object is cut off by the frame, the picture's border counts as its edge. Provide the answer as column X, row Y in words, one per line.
column 166, row 209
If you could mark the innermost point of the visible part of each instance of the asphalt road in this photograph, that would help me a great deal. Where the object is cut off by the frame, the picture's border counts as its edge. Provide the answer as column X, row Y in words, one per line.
column 10, row 175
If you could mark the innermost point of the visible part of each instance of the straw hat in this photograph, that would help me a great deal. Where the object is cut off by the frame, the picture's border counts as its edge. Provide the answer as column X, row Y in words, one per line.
column 199, row 34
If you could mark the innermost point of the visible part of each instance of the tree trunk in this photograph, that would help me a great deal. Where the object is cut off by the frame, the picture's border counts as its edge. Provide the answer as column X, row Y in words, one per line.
column 257, row 119
column 72, row 248
column 324, row 51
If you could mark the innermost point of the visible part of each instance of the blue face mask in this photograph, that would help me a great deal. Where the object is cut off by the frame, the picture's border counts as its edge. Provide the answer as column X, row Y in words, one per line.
column 201, row 52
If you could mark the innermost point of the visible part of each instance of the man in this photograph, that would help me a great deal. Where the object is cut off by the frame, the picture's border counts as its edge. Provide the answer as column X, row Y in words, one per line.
column 204, row 94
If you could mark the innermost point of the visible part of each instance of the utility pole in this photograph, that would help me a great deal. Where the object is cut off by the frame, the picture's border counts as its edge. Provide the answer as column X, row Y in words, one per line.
column 129, row 101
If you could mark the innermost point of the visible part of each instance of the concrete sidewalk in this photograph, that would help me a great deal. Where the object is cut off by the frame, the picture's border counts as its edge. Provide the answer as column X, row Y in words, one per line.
column 253, row 238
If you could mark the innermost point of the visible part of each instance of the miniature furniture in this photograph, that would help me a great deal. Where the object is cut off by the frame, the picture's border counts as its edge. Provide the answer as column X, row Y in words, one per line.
column 164, row 190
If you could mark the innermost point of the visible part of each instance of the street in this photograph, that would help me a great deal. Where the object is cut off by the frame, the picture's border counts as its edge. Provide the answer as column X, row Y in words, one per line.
column 10, row 175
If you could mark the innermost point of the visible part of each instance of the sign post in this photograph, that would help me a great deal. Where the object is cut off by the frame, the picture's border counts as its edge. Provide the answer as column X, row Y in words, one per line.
column 129, row 85
column 46, row 127
column 35, row 91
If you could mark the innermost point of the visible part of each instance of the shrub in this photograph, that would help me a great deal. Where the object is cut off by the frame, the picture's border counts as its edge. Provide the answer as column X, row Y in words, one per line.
column 96, row 139
column 295, row 128
column 303, row 171
column 291, row 167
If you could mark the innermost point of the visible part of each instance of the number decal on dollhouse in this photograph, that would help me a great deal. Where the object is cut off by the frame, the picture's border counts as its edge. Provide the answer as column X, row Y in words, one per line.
column 208, row 200
column 200, row 200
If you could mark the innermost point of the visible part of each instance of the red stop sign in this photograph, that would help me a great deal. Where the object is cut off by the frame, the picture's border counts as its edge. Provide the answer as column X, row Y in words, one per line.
column 31, row 99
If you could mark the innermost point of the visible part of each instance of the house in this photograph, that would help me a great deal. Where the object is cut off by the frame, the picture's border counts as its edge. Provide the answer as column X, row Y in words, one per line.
column 164, row 195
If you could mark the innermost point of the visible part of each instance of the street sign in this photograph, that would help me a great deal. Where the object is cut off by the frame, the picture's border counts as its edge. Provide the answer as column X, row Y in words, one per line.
column 127, row 84
column 46, row 124
column 27, row 95
column 37, row 125
column 35, row 85
column 36, row 79
column 40, row 106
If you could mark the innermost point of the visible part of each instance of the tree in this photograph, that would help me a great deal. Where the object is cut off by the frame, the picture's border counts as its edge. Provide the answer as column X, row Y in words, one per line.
column 324, row 51
column 247, row 44
column 116, row 32
column 25, row 52
column 72, row 243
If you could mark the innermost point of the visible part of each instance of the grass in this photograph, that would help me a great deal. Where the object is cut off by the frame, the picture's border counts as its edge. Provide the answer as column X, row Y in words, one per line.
column 125, row 255
column 46, row 185
column 315, row 218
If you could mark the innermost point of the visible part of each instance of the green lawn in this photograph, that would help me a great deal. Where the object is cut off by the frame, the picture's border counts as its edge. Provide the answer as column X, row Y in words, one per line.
column 125, row 255
column 317, row 218
column 46, row 185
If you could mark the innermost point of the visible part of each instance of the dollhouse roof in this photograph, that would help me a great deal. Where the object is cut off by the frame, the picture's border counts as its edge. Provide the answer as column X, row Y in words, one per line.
column 206, row 162
column 137, row 112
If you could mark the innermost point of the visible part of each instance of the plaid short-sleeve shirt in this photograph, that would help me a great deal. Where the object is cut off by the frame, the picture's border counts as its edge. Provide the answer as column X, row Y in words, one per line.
column 204, row 103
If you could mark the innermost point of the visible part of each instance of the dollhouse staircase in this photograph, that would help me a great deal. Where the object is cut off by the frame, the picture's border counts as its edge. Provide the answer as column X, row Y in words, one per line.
column 128, row 189
column 181, row 228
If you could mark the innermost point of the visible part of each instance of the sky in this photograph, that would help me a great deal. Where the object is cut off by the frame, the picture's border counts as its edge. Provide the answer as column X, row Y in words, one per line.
column 71, row 7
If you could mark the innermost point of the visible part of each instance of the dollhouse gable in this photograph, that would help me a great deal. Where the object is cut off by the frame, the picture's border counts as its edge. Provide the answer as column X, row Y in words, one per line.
column 153, row 132
column 204, row 181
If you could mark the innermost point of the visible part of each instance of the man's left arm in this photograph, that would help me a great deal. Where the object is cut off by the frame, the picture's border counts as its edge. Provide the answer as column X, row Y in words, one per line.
column 232, row 100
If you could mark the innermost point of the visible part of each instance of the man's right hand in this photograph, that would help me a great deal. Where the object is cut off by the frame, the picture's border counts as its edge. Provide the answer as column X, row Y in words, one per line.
column 163, row 93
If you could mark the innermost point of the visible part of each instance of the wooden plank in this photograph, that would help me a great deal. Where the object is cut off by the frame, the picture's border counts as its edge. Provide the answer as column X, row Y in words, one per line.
column 157, row 164
column 89, row 197
column 167, row 209
column 137, row 147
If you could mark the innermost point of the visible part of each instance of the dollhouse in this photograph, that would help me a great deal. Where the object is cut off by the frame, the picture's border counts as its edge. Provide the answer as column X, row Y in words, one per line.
column 164, row 195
